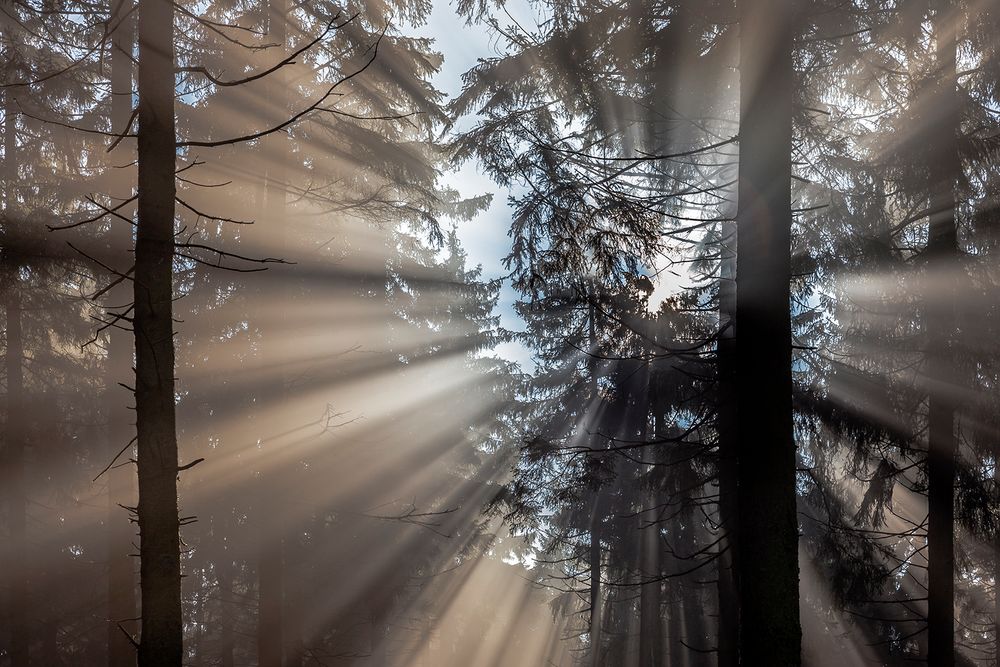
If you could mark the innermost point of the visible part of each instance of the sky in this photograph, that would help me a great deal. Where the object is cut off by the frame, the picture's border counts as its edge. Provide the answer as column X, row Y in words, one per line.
column 484, row 237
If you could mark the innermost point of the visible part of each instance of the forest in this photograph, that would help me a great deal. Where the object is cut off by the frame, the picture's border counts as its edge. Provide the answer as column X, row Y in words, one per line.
column 499, row 333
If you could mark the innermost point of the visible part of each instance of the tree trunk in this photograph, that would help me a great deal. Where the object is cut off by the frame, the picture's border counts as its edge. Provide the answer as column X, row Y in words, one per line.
column 728, row 586
column 767, row 523
column 16, row 569
column 122, row 610
column 224, row 570
column 270, row 571
column 271, row 596
column 650, row 598
column 159, row 529
column 996, row 561
column 17, row 426
column 675, row 627
column 650, row 566
column 595, row 583
column 942, row 261
column 595, row 554
column 295, row 564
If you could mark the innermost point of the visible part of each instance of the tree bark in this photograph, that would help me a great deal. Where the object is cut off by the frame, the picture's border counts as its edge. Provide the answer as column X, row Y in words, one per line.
column 595, row 583
column 675, row 627
column 17, row 567
column 942, row 262
column 224, row 570
column 595, row 554
column 122, row 609
column 767, row 523
column 728, row 586
column 271, row 595
column 295, row 593
column 159, row 527
column 996, row 562
column 17, row 427
column 650, row 598
column 650, row 562
column 271, row 570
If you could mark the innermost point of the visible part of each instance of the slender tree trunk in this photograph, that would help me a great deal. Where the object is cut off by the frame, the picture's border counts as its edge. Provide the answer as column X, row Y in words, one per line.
column 996, row 560
column 694, row 622
column 271, row 629
column 224, row 574
column 17, row 567
column 695, row 634
column 595, row 583
column 159, row 527
column 675, row 628
column 17, row 426
column 595, row 554
column 122, row 608
column 294, row 601
column 650, row 598
column 768, row 528
column 650, row 566
column 271, row 595
column 728, row 586
column 224, row 569
column 942, row 262
column 49, row 640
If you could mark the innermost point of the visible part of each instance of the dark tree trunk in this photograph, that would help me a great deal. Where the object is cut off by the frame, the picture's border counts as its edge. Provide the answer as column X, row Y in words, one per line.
column 17, row 427
column 768, row 529
column 49, row 640
column 650, row 598
column 160, row 572
column 696, row 636
column 294, row 602
column 595, row 553
column 728, row 587
column 227, row 644
column 942, row 262
column 650, row 550
column 996, row 562
column 16, row 569
column 271, row 595
column 122, row 609
column 271, row 629
column 675, row 627
column 595, row 583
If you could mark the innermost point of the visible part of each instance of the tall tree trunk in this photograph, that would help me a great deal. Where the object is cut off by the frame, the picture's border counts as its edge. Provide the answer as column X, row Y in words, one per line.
column 122, row 609
column 726, row 415
column 996, row 560
column 942, row 261
column 17, row 426
column 159, row 527
column 650, row 551
column 271, row 593
column 17, row 567
column 271, row 570
column 650, row 597
column 595, row 554
column 224, row 570
column 696, row 635
column 48, row 648
column 294, row 600
column 595, row 582
column 675, row 626
column 768, row 528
